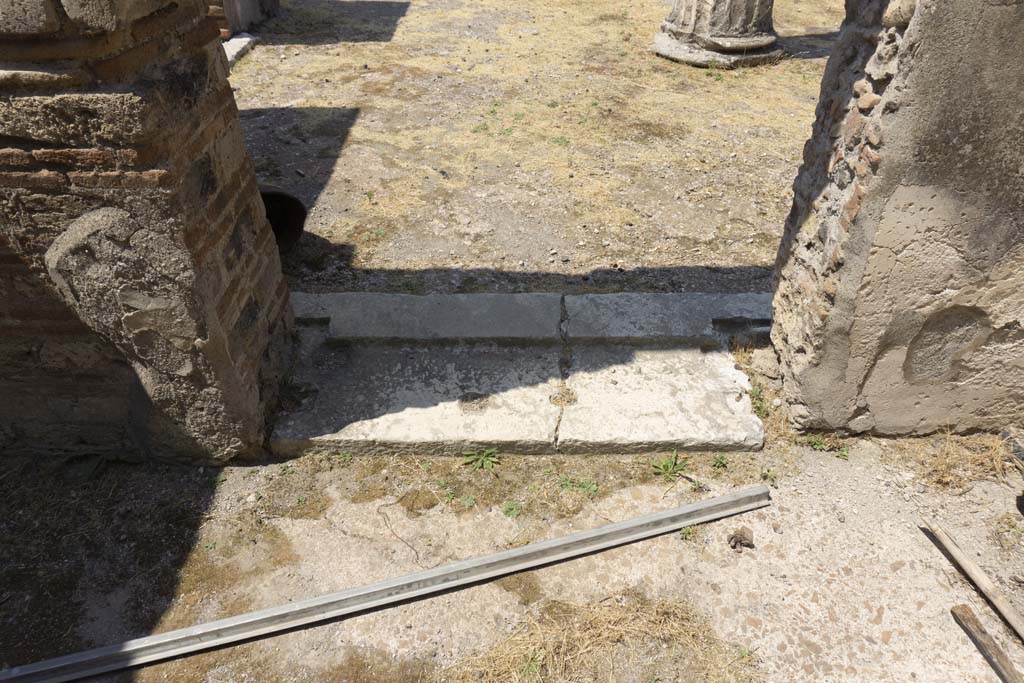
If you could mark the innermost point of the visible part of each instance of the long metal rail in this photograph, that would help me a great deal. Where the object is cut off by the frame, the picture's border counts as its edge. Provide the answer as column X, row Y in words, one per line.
column 375, row 595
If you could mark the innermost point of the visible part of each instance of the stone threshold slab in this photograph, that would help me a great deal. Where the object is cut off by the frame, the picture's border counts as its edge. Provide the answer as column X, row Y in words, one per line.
column 446, row 399
column 539, row 318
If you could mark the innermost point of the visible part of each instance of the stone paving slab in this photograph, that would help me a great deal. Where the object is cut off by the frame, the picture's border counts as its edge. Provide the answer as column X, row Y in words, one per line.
column 639, row 399
column 437, row 317
column 447, row 398
column 425, row 399
column 238, row 46
column 687, row 316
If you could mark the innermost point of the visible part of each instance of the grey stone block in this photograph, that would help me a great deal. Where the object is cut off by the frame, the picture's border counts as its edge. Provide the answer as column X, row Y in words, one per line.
column 373, row 316
column 663, row 317
column 238, row 46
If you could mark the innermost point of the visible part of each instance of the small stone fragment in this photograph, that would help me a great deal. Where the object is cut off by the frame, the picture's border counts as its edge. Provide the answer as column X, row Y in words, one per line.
column 868, row 101
column 741, row 538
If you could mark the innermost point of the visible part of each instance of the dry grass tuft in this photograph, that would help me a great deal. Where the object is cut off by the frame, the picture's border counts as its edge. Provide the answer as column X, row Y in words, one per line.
column 953, row 461
column 777, row 429
column 626, row 638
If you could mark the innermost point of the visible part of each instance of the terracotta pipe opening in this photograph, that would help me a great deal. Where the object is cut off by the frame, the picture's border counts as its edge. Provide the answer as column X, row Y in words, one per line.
column 287, row 216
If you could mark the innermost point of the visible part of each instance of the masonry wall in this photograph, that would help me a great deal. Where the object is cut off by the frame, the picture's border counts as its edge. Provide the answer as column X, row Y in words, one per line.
column 142, row 300
column 900, row 281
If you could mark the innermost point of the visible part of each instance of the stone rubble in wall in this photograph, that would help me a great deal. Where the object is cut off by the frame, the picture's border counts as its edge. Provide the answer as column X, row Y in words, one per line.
column 856, row 153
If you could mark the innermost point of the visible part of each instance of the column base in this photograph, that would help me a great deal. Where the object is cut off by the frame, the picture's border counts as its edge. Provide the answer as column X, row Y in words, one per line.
column 690, row 53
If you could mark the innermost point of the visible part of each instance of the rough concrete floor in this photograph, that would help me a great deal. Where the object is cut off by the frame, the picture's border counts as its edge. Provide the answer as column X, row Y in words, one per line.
column 486, row 145
column 841, row 586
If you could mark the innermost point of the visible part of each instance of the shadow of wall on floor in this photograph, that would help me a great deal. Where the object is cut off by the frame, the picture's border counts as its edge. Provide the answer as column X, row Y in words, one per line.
column 323, row 22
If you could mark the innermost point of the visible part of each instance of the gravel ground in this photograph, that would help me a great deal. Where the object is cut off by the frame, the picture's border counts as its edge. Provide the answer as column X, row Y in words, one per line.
column 468, row 145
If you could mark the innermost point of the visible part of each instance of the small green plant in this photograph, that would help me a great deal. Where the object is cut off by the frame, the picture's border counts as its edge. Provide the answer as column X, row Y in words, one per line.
column 720, row 462
column 553, row 104
column 467, row 501
column 828, row 443
column 587, row 487
column 671, row 466
column 449, row 491
column 816, row 442
column 769, row 477
column 345, row 458
column 369, row 196
column 484, row 459
column 759, row 402
column 531, row 667
column 480, row 128
column 512, row 510
column 301, row 500
column 561, row 141
column 687, row 533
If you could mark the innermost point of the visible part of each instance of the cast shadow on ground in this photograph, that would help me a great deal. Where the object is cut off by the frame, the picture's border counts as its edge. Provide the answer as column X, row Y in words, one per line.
column 280, row 141
column 328, row 22
column 809, row 46
column 315, row 256
column 89, row 559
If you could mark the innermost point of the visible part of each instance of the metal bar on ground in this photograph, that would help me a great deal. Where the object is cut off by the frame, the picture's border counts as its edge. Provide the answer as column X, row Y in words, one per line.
column 265, row 622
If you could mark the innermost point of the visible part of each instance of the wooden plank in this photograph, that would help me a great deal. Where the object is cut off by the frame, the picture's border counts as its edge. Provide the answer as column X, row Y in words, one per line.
column 988, row 647
column 381, row 594
column 978, row 577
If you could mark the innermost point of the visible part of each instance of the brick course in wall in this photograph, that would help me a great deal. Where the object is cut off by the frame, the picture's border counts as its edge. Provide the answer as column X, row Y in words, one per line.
column 142, row 299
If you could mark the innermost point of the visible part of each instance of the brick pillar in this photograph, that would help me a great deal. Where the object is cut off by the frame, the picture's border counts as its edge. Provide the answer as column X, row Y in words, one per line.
column 141, row 296
column 719, row 33
column 899, row 306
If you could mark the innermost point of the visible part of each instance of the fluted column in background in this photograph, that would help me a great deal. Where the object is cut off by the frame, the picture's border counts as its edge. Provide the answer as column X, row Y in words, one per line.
column 719, row 33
